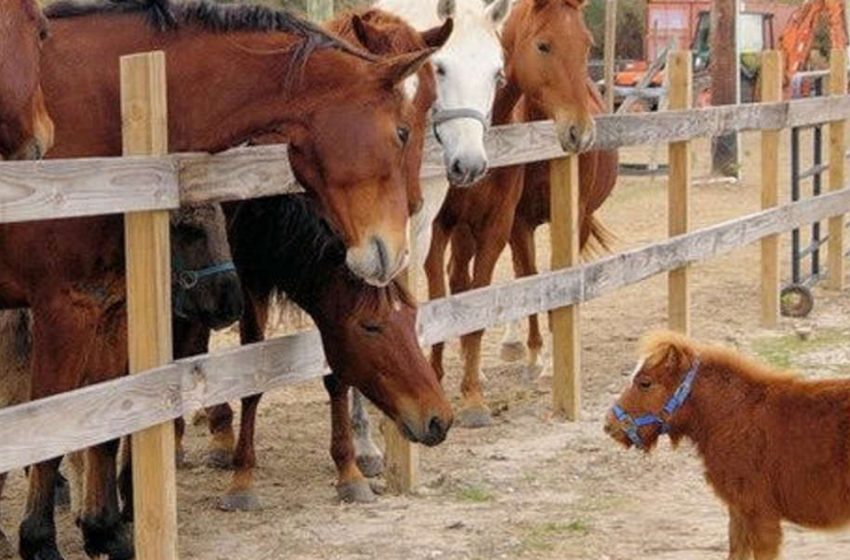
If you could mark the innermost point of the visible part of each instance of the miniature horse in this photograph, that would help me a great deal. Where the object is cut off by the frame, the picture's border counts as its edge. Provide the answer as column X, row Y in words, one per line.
column 383, row 34
column 71, row 272
column 547, row 45
column 199, row 242
column 26, row 131
column 774, row 446
column 369, row 335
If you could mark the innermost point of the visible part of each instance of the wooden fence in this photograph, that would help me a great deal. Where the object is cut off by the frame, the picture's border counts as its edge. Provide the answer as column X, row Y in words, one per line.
column 146, row 186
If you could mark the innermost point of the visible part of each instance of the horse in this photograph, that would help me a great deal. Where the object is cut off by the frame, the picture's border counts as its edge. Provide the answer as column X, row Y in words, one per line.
column 546, row 47
column 774, row 446
column 26, row 131
column 469, row 69
column 71, row 272
column 597, row 168
column 382, row 34
column 199, row 241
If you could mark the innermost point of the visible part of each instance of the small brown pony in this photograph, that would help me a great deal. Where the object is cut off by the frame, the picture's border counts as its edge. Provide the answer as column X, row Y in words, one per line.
column 774, row 446
column 382, row 34
column 546, row 46
column 26, row 131
column 344, row 117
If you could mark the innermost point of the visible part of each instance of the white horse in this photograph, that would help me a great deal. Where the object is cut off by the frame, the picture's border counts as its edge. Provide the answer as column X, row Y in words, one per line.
column 469, row 70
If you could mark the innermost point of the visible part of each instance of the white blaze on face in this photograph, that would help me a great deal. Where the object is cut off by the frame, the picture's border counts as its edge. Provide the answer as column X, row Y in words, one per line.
column 410, row 86
column 637, row 369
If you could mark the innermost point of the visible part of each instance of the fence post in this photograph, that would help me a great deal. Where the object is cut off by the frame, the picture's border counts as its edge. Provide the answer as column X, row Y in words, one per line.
column 610, row 54
column 564, row 322
column 320, row 10
column 401, row 457
column 145, row 132
column 678, row 191
column 835, row 253
column 771, row 90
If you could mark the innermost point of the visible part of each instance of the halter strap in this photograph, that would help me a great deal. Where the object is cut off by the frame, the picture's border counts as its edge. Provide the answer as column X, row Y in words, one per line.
column 185, row 280
column 631, row 425
column 440, row 116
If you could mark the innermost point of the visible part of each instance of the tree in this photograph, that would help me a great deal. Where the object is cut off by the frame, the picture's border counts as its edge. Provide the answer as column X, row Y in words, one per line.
column 724, row 81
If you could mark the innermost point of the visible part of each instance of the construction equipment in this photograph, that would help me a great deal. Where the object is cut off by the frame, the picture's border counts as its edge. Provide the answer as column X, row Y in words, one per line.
column 798, row 36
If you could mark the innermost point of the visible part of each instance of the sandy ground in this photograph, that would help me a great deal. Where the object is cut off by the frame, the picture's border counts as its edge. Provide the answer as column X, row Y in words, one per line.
column 528, row 487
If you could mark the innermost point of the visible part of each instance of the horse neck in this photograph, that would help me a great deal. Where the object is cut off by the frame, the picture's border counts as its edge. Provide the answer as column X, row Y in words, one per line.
column 506, row 100
column 205, row 116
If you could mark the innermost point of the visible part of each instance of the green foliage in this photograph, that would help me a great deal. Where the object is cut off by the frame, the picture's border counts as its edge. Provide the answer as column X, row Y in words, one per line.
column 631, row 20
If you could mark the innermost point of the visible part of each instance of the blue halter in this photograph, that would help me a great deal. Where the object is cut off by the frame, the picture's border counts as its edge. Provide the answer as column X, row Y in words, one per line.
column 630, row 426
column 185, row 280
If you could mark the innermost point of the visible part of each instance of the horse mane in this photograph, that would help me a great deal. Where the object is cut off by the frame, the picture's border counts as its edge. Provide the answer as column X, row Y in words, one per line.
column 400, row 36
column 290, row 250
column 657, row 346
column 165, row 15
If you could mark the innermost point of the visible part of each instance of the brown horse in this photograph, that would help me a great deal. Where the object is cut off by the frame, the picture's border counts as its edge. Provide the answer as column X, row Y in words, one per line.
column 546, row 45
column 774, row 446
column 382, row 34
column 26, row 131
column 199, row 244
column 71, row 272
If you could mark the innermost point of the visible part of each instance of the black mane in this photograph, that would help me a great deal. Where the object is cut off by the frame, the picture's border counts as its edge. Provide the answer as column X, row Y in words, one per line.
column 165, row 15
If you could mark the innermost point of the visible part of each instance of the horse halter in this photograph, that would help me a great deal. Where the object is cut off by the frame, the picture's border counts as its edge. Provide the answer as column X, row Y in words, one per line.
column 185, row 280
column 631, row 425
column 440, row 116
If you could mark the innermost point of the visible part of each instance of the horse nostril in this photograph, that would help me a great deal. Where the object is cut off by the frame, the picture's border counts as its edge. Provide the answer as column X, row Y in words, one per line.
column 575, row 135
column 437, row 430
column 457, row 168
column 383, row 256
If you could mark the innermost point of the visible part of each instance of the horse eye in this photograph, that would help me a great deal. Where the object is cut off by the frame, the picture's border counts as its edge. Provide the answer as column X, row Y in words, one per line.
column 403, row 134
column 43, row 34
column 544, row 47
column 500, row 78
column 371, row 329
column 440, row 69
column 644, row 384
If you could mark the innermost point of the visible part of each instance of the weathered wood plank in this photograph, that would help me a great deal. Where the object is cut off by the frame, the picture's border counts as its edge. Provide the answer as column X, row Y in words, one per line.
column 835, row 243
column 71, row 421
column 771, row 90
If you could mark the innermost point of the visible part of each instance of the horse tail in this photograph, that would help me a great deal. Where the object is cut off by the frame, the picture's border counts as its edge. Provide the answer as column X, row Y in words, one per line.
column 600, row 239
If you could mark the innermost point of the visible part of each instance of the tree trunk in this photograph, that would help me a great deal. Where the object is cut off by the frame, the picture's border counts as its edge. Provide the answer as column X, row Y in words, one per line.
column 724, row 81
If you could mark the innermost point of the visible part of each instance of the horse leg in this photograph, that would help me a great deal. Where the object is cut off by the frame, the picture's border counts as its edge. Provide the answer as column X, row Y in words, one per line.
column 766, row 538
column 241, row 496
column 223, row 440
column 125, row 479
column 370, row 460
column 6, row 549
column 512, row 349
column 437, row 284
column 104, row 532
column 351, row 485
column 740, row 547
column 57, row 366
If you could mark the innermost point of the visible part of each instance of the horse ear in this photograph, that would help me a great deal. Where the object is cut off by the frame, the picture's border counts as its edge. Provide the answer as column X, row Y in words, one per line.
column 396, row 69
column 667, row 348
column 445, row 9
column 364, row 32
column 540, row 4
column 437, row 37
column 498, row 10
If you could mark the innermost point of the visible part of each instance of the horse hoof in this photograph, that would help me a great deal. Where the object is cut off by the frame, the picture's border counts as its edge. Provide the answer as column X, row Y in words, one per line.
column 180, row 460
column 50, row 554
column 7, row 551
column 105, row 537
column 220, row 459
column 512, row 351
column 356, row 492
column 544, row 381
column 476, row 416
column 37, row 541
column 240, row 501
column 370, row 465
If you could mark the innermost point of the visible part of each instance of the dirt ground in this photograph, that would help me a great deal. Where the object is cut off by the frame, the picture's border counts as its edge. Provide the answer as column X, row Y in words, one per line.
column 527, row 487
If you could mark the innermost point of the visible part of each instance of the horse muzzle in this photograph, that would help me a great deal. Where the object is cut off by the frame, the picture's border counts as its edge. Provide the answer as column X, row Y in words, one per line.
column 376, row 262
column 432, row 431
column 575, row 136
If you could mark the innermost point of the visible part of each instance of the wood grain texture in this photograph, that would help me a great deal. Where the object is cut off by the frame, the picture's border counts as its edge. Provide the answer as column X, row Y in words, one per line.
column 70, row 421
column 610, row 53
column 679, row 191
column 564, row 322
column 85, row 187
column 144, row 117
column 837, row 150
column 771, row 90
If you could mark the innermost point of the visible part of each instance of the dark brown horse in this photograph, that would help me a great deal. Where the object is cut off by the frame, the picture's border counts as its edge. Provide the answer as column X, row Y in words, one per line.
column 774, row 446
column 26, row 131
column 546, row 45
column 199, row 244
column 71, row 272
column 382, row 34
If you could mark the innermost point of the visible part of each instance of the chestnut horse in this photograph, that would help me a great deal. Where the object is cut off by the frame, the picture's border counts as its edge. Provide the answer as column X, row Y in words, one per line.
column 546, row 44
column 26, row 131
column 774, row 446
column 199, row 241
column 71, row 272
column 382, row 34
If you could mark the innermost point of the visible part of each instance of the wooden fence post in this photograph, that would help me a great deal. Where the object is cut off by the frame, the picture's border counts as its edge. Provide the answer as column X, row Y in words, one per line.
column 679, row 190
column 835, row 253
column 401, row 457
column 610, row 54
column 771, row 90
column 145, row 132
column 320, row 10
column 564, row 322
